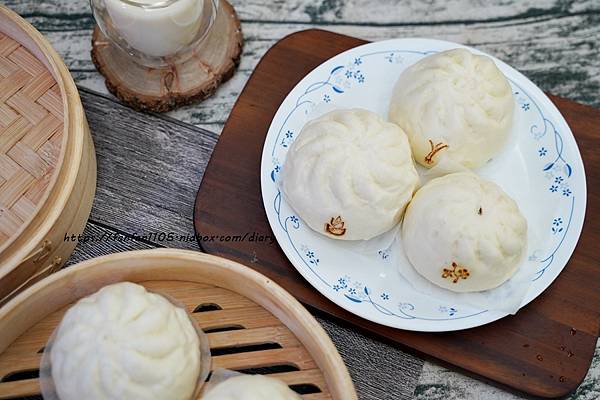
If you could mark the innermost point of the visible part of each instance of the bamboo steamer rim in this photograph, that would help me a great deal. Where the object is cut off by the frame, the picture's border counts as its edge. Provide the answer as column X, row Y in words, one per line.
column 15, row 321
column 12, row 24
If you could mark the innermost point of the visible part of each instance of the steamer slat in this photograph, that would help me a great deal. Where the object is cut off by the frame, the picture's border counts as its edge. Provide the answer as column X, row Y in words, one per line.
column 11, row 390
column 296, row 357
column 245, row 337
column 317, row 396
column 311, row 376
column 251, row 317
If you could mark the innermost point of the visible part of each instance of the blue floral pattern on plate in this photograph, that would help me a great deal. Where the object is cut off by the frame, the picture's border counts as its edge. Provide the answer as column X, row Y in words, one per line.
column 345, row 75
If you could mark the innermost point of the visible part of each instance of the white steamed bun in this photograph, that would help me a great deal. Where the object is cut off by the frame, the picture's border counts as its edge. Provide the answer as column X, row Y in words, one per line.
column 464, row 233
column 251, row 387
column 350, row 174
column 124, row 343
column 455, row 104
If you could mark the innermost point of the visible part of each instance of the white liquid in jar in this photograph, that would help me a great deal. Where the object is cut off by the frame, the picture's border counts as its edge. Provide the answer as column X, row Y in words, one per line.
column 157, row 32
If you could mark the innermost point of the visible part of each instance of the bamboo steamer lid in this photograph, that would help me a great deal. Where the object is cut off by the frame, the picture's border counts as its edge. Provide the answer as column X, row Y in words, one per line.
column 47, row 159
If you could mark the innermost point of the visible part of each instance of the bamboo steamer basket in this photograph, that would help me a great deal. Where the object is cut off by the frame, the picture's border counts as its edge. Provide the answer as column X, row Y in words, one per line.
column 251, row 322
column 47, row 159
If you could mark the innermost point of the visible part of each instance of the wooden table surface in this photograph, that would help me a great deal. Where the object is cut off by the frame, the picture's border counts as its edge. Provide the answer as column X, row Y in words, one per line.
column 148, row 179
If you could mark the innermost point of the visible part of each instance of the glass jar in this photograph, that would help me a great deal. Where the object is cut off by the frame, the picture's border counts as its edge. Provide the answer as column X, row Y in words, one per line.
column 155, row 33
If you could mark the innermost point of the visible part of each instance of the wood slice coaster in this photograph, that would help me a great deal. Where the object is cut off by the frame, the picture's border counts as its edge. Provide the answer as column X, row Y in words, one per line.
column 159, row 90
column 31, row 132
column 253, row 325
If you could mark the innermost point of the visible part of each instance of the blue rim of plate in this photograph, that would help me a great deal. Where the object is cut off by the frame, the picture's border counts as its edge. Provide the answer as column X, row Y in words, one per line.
column 554, row 164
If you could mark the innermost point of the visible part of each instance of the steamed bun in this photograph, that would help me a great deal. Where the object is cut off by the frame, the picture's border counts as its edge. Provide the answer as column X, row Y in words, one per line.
column 454, row 104
column 464, row 233
column 124, row 343
column 349, row 174
column 251, row 387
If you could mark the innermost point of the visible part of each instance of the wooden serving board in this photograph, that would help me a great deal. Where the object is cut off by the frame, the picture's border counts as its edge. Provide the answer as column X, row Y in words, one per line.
column 545, row 350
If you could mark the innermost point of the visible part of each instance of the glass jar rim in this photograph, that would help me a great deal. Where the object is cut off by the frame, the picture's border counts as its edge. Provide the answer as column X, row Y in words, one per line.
column 151, row 6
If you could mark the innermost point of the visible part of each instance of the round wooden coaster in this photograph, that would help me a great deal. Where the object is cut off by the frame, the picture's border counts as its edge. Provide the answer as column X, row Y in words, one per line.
column 160, row 90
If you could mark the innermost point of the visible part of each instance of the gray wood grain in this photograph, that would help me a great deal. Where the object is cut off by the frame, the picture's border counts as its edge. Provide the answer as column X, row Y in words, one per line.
column 379, row 371
column 149, row 169
column 365, row 12
column 552, row 42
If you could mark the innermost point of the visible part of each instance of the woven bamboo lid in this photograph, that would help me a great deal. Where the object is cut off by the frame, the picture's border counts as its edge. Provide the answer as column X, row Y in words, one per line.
column 47, row 158
column 31, row 132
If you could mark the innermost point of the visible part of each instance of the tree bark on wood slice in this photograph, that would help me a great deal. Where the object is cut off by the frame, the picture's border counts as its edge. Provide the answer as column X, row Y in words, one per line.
column 159, row 90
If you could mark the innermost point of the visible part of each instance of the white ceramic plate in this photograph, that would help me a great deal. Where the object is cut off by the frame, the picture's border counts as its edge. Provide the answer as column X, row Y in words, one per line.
column 540, row 168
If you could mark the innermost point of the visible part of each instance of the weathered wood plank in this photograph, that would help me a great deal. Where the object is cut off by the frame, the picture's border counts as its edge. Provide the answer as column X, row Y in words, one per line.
column 149, row 170
column 559, row 55
column 387, row 364
column 346, row 11
column 551, row 42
